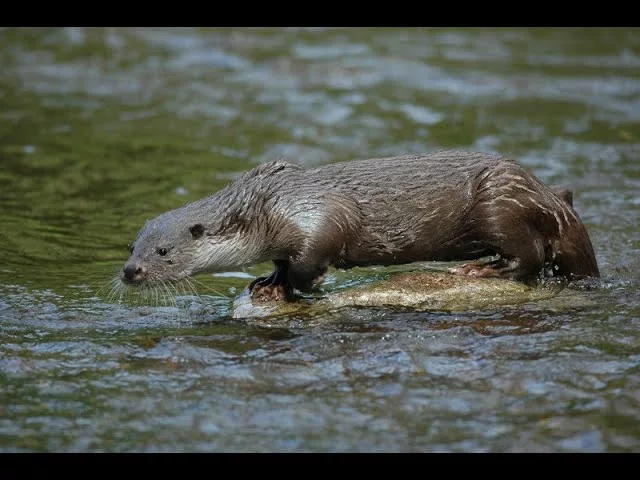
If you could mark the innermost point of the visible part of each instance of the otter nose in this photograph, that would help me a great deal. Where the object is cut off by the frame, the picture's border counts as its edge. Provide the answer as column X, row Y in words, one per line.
column 133, row 272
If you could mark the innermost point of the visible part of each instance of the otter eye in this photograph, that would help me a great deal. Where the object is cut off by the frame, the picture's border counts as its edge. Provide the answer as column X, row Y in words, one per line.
column 197, row 230
column 162, row 251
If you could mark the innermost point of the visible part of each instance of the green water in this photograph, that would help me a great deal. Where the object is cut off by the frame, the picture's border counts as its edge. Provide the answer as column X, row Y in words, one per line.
column 101, row 129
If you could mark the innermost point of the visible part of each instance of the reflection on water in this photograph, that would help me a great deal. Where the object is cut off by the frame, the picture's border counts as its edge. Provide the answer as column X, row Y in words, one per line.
column 103, row 128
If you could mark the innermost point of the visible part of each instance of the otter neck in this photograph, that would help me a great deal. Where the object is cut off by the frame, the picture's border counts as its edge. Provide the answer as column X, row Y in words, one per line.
column 241, row 234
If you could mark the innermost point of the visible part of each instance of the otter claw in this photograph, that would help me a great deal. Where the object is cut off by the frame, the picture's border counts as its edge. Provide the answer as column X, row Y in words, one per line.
column 270, row 292
column 264, row 289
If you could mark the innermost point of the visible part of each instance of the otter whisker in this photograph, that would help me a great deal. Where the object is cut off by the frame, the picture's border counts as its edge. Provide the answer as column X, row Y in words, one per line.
column 156, row 296
column 161, row 295
column 170, row 299
column 208, row 287
column 123, row 292
column 104, row 286
column 173, row 291
column 193, row 292
column 144, row 295
column 180, row 309
column 117, row 292
column 150, row 295
column 178, row 287
column 111, row 294
column 189, row 290
column 134, row 296
column 168, row 295
column 193, row 289
column 186, row 291
column 112, row 291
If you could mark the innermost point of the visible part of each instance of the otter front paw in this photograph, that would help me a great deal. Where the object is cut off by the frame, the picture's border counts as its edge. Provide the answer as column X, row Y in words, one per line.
column 273, row 287
column 269, row 292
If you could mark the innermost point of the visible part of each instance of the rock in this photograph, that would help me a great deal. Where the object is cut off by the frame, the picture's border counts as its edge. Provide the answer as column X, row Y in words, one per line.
column 415, row 290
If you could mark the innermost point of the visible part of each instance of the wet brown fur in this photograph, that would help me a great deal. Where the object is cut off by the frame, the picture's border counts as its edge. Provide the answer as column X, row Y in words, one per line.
column 451, row 205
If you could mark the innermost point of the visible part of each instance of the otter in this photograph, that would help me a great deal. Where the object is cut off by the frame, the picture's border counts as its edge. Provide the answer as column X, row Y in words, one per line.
column 449, row 205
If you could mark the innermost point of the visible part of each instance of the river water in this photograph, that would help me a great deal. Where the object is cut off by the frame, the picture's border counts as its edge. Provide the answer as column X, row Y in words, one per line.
column 103, row 128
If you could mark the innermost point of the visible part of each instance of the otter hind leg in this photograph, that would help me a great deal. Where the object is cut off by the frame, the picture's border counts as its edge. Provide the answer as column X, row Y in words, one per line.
column 273, row 287
column 514, row 268
column 521, row 254
column 516, row 217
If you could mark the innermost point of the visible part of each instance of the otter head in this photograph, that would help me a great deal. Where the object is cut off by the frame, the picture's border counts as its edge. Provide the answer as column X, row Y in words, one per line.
column 167, row 249
column 184, row 242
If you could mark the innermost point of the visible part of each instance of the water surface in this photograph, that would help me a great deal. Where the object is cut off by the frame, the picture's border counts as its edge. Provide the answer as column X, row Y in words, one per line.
column 103, row 128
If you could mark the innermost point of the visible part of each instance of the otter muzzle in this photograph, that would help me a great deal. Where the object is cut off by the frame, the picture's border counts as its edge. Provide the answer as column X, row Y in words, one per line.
column 133, row 273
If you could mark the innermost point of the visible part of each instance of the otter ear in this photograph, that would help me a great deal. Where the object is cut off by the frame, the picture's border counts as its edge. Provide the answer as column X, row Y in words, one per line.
column 196, row 230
